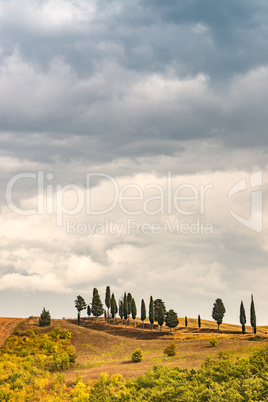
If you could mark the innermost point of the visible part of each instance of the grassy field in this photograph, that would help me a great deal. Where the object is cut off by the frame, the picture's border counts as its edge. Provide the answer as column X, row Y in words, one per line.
column 103, row 347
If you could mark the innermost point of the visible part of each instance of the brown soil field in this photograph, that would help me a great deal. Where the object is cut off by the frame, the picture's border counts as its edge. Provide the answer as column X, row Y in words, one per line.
column 7, row 326
column 103, row 347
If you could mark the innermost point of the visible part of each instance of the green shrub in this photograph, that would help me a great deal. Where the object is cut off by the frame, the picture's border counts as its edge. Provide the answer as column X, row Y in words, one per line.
column 213, row 342
column 256, row 338
column 45, row 318
column 170, row 350
column 5, row 395
column 47, row 345
column 59, row 333
column 137, row 356
column 31, row 333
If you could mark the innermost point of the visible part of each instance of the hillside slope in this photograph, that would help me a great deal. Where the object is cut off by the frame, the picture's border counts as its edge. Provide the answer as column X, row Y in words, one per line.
column 7, row 326
column 103, row 347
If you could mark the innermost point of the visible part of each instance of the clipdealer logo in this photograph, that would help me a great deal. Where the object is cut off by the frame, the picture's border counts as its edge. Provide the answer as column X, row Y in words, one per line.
column 151, row 199
column 50, row 197
column 255, row 221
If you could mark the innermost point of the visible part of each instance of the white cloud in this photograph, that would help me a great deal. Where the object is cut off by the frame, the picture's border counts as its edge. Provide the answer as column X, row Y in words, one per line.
column 35, row 251
column 127, row 90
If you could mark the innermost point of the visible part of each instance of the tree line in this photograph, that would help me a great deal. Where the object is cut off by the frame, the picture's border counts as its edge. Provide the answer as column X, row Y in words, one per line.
column 126, row 307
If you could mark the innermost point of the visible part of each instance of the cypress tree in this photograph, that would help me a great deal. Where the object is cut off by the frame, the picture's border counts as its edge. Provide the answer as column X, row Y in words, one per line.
column 218, row 311
column 160, row 317
column 88, row 310
column 126, row 312
column 186, row 321
column 151, row 312
column 108, row 299
column 80, row 305
column 96, row 305
column 134, row 311
column 129, row 302
column 242, row 317
column 199, row 321
column 113, row 307
column 121, row 308
column 143, row 313
column 253, row 316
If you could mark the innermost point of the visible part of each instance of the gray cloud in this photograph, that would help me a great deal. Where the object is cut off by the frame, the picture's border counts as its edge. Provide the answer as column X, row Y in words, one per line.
column 134, row 89
column 219, row 40
column 129, row 74
column 116, row 113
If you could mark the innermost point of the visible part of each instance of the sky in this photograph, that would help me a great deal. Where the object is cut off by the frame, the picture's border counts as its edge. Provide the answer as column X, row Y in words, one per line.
column 133, row 149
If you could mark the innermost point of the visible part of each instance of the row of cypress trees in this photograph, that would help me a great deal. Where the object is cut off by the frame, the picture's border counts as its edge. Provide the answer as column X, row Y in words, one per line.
column 126, row 307
column 157, row 310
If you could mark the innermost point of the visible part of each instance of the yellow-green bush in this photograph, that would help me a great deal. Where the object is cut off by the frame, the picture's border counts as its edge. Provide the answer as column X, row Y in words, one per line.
column 213, row 342
column 170, row 350
column 217, row 381
column 26, row 360
column 137, row 356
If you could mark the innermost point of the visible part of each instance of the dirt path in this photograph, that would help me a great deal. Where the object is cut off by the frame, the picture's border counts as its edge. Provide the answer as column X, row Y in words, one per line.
column 7, row 326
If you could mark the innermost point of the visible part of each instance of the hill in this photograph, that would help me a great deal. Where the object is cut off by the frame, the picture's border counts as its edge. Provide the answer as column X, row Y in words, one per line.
column 103, row 347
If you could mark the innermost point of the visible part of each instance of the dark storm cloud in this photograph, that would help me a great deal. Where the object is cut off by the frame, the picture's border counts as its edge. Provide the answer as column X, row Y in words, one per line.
column 217, row 38
column 237, row 32
column 118, row 77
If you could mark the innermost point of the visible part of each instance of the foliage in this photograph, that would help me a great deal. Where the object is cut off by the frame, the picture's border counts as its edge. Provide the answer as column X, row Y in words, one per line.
column 160, row 317
column 218, row 311
column 113, row 306
column 143, row 312
column 151, row 311
column 129, row 302
column 199, row 321
column 88, row 310
column 59, row 333
column 96, row 305
column 80, row 305
column 137, row 356
column 242, row 317
column 121, row 307
column 45, row 318
column 125, row 307
column 213, row 342
column 133, row 309
column 158, row 304
column 170, row 350
column 171, row 319
column 108, row 299
column 245, row 380
column 27, row 360
column 186, row 321
column 253, row 316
